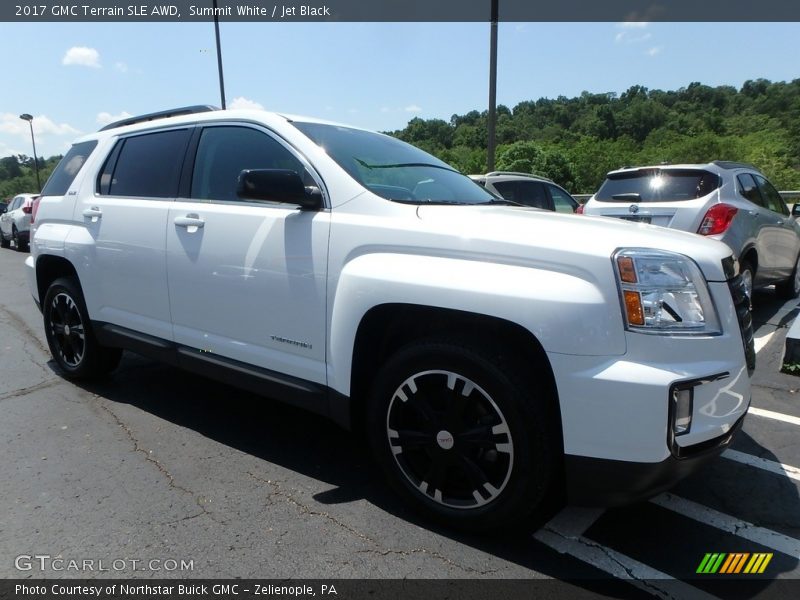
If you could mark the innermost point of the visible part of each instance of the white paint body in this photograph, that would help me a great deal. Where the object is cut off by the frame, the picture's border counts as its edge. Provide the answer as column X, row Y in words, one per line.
column 255, row 272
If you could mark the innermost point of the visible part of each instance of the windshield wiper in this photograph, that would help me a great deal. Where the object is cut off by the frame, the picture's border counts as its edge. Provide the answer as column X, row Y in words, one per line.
column 366, row 165
column 503, row 201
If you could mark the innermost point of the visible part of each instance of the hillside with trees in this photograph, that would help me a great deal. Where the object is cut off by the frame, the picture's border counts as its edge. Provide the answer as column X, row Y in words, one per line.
column 18, row 175
column 576, row 141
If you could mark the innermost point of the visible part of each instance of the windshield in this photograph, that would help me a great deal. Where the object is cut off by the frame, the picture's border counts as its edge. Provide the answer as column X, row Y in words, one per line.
column 393, row 169
column 657, row 185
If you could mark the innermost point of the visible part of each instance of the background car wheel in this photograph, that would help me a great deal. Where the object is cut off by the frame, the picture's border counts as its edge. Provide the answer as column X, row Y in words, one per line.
column 19, row 245
column 464, row 435
column 4, row 241
column 747, row 273
column 69, row 333
column 791, row 287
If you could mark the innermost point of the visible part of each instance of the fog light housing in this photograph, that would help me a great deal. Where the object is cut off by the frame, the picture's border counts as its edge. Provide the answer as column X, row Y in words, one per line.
column 682, row 400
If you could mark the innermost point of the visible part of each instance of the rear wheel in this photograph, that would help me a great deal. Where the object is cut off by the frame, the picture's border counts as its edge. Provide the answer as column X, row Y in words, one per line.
column 791, row 287
column 18, row 244
column 69, row 333
column 463, row 435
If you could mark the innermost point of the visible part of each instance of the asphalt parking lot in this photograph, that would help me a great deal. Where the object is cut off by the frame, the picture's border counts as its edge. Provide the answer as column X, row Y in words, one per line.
column 155, row 464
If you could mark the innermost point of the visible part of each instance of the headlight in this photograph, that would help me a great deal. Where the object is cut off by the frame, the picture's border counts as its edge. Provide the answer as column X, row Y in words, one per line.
column 663, row 292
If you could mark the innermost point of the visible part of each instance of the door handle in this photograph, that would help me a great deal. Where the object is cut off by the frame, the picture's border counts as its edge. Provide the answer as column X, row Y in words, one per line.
column 94, row 213
column 753, row 212
column 192, row 222
column 779, row 221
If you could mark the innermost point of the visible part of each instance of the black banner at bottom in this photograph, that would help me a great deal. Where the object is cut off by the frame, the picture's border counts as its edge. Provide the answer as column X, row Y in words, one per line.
column 392, row 589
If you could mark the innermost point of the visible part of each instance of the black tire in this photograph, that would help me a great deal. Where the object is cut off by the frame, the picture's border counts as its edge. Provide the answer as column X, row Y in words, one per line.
column 790, row 288
column 4, row 242
column 747, row 273
column 69, row 333
column 484, row 464
column 20, row 246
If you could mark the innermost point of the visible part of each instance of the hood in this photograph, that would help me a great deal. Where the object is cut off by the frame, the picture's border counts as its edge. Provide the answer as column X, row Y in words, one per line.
column 552, row 238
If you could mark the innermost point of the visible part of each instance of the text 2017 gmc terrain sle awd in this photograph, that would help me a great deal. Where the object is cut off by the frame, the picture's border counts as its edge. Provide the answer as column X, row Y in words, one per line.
column 495, row 355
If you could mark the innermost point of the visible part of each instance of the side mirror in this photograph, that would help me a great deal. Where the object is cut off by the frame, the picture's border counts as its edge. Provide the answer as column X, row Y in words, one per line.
column 796, row 210
column 4, row 211
column 278, row 185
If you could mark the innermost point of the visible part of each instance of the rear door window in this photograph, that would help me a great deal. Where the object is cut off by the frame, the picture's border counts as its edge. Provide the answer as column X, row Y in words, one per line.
column 64, row 174
column 529, row 193
column 145, row 166
column 771, row 196
column 749, row 190
column 657, row 185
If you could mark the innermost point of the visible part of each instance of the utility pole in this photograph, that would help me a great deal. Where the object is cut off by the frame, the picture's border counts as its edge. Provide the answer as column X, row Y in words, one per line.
column 492, row 86
column 219, row 57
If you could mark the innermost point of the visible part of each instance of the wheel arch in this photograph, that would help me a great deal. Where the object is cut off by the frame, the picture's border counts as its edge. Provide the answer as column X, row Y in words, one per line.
column 49, row 268
column 386, row 328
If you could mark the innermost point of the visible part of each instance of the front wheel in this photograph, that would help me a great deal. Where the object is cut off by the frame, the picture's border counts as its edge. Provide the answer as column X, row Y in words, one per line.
column 464, row 435
column 69, row 333
column 747, row 273
column 4, row 241
column 790, row 288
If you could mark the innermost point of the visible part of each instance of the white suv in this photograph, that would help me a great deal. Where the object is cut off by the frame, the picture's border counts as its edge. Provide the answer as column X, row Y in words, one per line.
column 491, row 352
column 15, row 222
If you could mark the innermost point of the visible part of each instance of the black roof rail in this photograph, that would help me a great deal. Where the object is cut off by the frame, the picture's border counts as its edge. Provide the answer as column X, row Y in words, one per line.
column 729, row 164
column 163, row 114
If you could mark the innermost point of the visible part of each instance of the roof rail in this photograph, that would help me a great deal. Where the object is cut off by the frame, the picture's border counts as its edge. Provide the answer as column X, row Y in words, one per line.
column 729, row 164
column 494, row 173
column 163, row 114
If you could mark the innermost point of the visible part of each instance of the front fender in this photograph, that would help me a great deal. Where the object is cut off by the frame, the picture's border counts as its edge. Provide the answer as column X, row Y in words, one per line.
column 567, row 312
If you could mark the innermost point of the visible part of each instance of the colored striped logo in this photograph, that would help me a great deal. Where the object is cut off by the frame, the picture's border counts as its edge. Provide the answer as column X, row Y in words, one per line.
column 734, row 562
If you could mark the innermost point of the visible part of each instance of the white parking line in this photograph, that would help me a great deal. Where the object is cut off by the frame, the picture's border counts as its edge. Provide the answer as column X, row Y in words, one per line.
column 763, row 463
column 768, row 414
column 564, row 533
column 763, row 340
column 743, row 529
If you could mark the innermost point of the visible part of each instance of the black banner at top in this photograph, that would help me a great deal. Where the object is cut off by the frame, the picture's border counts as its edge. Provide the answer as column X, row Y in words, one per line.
column 400, row 10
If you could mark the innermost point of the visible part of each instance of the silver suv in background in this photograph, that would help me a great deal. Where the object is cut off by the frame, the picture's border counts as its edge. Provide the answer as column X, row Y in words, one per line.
column 729, row 201
column 527, row 189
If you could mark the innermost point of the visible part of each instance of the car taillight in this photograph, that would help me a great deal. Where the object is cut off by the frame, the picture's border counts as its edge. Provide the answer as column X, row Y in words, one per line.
column 27, row 209
column 34, row 208
column 717, row 219
column 579, row 210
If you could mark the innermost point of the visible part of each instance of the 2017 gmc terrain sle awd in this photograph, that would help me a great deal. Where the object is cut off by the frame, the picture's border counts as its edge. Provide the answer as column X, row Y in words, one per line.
column 493, row 353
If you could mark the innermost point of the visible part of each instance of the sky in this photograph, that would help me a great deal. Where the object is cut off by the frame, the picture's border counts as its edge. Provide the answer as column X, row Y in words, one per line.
column 76, row 77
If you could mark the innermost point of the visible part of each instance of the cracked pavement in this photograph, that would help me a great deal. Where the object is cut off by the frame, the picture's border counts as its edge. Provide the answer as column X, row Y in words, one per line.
column 156, row 463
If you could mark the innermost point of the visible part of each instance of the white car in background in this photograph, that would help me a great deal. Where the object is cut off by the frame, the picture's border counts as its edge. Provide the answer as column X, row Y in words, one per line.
column 15, row 222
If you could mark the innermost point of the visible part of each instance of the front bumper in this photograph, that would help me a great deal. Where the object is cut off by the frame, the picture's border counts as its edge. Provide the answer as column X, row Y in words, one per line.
column 616, row 411
column 601, row 482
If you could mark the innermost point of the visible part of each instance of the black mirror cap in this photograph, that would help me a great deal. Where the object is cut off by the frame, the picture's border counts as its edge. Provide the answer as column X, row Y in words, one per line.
column 278, row 185
column 796, row 209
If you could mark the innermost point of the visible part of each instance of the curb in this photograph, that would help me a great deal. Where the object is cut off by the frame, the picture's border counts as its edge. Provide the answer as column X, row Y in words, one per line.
column 792, row 351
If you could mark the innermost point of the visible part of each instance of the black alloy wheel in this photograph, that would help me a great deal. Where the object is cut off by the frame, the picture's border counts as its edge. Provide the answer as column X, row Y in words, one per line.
column 465, row 434
column 69, row 333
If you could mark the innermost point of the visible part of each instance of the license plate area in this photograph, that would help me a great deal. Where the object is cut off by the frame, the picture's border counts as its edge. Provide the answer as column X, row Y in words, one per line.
column 637, row 218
